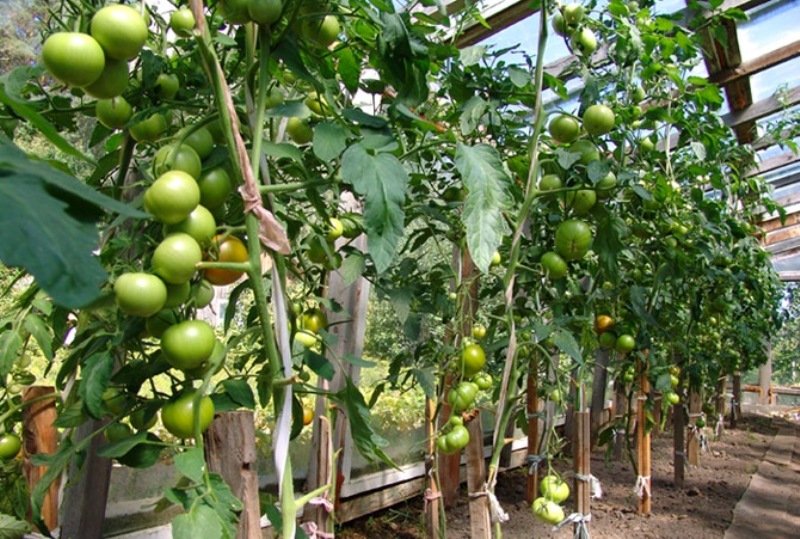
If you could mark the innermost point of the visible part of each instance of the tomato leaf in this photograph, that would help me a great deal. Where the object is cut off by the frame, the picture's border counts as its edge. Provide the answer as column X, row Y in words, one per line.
column 352, row 268
column 368, row 442
column 425, row 379
column 319, row 364
column 10, row 343
column 190, row 463
column 382, row 180
column 200, row 521
column 96, row 375
column 11, row 528
column 123, row 446
column 37, row 327
column 329, row 141
column 472, row 112
column 487, row 186
column 240, row 392
column 349, row 68
column 566, row 342
column 608, row 244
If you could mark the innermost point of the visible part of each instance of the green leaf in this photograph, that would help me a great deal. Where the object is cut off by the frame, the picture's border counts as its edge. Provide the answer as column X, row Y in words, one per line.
column 426, row 381
column 567, row 158
column 664, row 383
column 39, row 122
column 283, row 150
column 597, row 170
column 699, row 150
column 368, row 442
column 352, row 268
column 472, row 55
column 200, row 521
column 240, row 392
column 348, row 68
column 382, row 180
column 607, row 243
column 359, row 361
column 96, row 374
column 566, row 342
column 329, row 141
column 290, row 109
column 319, row 364
column 471, row 115
column 401, row 301
column 56, row 463
column 10, row 344
column 519, row 77
column 11, row 528
column 487, row 186
column 360, row 117
column 122, row 447
column 144, row 454
column 191, row 463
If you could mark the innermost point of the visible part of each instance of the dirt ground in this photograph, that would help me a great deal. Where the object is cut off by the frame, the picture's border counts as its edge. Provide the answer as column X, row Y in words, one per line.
column 702, row 509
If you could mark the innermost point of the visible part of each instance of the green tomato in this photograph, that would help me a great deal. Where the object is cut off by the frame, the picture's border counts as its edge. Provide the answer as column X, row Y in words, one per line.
column 299, row 130
column 625, row 343
column 177, row 294
column 115, row 400
column 606, row 185
column 112, row 81
column 335, row 230
column 314, row 321
column 140, row 294
column 113, row 113
column 182, row 158
column 473, row 360
column 672, row 398
column 117, row 431
column 549, row 182
column 188, row 344
column 157, row 324
column 73, row 58
column 455, row 420
column 201, row 141
column 559, row 24
column 141, row 421
column 547, row 511
column 215, row 187
column 234, row 11
column 172, row 197
column 306, row 338
column 496, row 259
column 583, row 42
column 483, row 380
column 573, row 239
column 10, row 444
column 582, row 201
column 176, row 257
column 462, row 396
column 457, row 438
column 608, row 340
column 167, row 86
column 573, row 14
column 182, row 22
column 200, row 224
column 586, row 149
column 264, row 12
column 478, row 331
column 598, row 120
column 564, row 129
column 203, row 294
column 442, row 446
column 554, row 266
column 150, row 129
column 554, row 488
column 178, row 416
column 317, row 103
column 120, row 30
column 637, row 94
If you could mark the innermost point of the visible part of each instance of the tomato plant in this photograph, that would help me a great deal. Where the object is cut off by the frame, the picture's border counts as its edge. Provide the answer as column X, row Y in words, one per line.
column 181, row 419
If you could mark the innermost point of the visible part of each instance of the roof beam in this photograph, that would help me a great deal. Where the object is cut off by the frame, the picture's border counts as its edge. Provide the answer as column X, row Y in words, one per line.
column 756, row 65
column 763, row 108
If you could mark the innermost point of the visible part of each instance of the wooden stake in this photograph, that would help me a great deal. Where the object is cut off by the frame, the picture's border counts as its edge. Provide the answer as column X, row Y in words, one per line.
column 678, row 451
column 40, row 436
column 432, row 494
column 643, row 439
column 620, row 413
column 599, row 385
column 323, row 451
column 736, row 401
column 581, row 454
column 531, row 408
column 479, row 522
column 230, row 450
column 693, row 441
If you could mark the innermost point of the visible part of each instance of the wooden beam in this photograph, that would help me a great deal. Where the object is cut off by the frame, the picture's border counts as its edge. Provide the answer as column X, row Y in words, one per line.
column 774, row 163
column 763, row 108
column 789, row 276
column 756, row 65
column 783, row 234
column 497, row 22
column 775, row 224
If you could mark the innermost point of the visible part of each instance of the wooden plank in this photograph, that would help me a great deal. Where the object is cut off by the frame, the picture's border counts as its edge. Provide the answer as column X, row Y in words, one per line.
column 84, row 506
column 789, row 276
column 693, row 441
column 643, row 441
column 581, row 454
column 354, row 508
column 230, row 450
column 479, row 523
column 756, row 65
column 783, row 234
column 763, row 108
column 39, row 436
column 774, row 163
column 775, row 224
column 497, row 22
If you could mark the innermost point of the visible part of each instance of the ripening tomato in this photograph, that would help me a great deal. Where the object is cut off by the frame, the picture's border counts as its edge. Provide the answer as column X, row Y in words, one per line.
column 230, row 249
column 178, row 416
column 140, row 294
column 73, row 58
column 175, row 258
column 120, row 30
column 188, row 344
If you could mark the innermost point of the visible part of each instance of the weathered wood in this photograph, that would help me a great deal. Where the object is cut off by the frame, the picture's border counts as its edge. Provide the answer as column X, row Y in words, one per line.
column 448, row 465
column 85, row 498
column 599, row 385
column 497, row 21
column 695, row 413
column 643, row 440
column 765, row 376
column 230, row 451
column 322, row 455
column 678, row 444
column 756, row 65
column 736, row 401
column 40, row 436
column 763, row 108
column 479, row 522
column 658, row 411
column 433, row 530
column 581, row 454
column 620, row 413
column 531, row 408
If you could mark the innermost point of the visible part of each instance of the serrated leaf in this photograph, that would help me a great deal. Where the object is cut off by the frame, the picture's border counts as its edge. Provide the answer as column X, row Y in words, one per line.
column 471, row 114
column 472, row 55
column 329, row 141
column 36, row 326
column 11, row 528
column 368, row 442
column 348, row 68
column 200, row 521
column 567, row 158
column 240, row 392
column 319, row 364
column 487, row 186
column 519, row 77
column 607, row 243
column 55, row 463
column 96, row 373
column 401, row 301
column 382, row 180
column 191, row 463
column 10, row 344
column 425, row 379
column 566, row 342
column 597, row 170
column 352, row 268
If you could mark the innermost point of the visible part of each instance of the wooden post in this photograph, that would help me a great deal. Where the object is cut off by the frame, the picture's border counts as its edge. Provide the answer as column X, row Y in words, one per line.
column 657, row 398
column 765, row 377
column 599, row 385
column 531, row 408
column 643, row 439
column 432, row 493
column 620, row 414
column 323, row 457
column 40, row 436
column 679, row 451
column 230, row 450
column 83, row 508
column 736, row 400
column 479, row 522
column 693, row 442
column 581, row 453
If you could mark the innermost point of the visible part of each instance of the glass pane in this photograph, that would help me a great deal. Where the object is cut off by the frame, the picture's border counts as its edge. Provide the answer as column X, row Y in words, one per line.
column 765, row 84
column 770, row 26
column 525, row 33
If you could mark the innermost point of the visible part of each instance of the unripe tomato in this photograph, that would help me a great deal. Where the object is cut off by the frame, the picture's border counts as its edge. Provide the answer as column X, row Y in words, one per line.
column 559, row 24
column 605, row 185
column 216, row 361
column 188, row 344
column 73, row 58
column 455, row 420
column 314, row 321
column 573, row 14
column 457, row 438
column 167, row 86
column 672, row 397
column 322, row 31
column 140, row 421
column 483, row 380
column 674, row 380
column 582, row 201
column 150, row 129
column 140, row 294
column 234, row 11
column 598, row 120
column 306, row 338
column 473, row 360
column 111, row 82
column 586, row 149
column 157, row 324
column 182, row 22
column 231, row 249
column 172, row 197
column 335, row 230
column 200, row 225
column 117, row 431
column 115, row 400
column 478, row 331
column 555, row 267
column 203, row 294
column 113, row 113
column 10, row 444
column 317, row 103
column 573, row 239
column 120, row 30
column 175, row 258
column 182, row 158
column 264, row 12
column 554, row 488
column 441, row 445
column 625, row 343
column 583, row 42
column 215, row 186
column 178, row 416
column 462, row 396
column 549, row 182
column 564, row 129
column 547, row 511
column 201, row 141
column 299, row 130
column 177, row 294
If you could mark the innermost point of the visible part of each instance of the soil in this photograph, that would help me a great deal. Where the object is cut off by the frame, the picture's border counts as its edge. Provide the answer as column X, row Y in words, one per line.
column 702, row 509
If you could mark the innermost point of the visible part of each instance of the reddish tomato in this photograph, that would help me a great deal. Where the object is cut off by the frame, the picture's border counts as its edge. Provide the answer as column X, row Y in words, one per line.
column 231, row 249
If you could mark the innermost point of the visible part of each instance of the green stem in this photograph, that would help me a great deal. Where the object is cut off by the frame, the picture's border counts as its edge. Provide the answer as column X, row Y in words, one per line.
column 293, row 186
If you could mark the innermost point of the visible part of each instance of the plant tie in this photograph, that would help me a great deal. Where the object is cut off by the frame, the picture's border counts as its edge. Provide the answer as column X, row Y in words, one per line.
column 535, row 461
column 324, row 501
column 580, row 521
column 314, row 532
column 595, row 487
column 430, row 496
column 642, row 486
column 495, row 510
